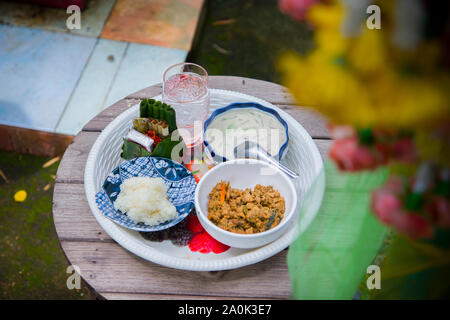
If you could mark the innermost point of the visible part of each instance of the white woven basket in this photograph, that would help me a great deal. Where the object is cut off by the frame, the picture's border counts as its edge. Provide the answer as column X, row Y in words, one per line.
column 302, row 156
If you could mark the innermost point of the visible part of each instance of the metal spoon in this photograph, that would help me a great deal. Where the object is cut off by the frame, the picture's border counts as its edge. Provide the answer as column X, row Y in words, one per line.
column 250, row 149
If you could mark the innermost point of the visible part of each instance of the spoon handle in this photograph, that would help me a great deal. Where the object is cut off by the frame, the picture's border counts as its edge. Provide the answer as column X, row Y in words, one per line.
column 277, row 164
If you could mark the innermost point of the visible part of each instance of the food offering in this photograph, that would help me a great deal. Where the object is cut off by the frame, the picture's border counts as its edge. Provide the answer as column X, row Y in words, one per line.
column 245, row 211
column 153, row 132
column 147, row 194
column 189, row 232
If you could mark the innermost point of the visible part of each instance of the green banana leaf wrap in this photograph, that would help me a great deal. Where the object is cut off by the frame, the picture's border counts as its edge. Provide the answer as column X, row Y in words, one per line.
column 157, row 110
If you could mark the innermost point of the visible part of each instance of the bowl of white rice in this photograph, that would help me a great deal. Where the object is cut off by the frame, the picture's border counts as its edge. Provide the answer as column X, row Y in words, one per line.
column 147, row 194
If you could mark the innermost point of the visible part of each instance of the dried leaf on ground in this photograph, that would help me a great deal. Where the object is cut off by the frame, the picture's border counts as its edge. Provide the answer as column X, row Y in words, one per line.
column 50, row 162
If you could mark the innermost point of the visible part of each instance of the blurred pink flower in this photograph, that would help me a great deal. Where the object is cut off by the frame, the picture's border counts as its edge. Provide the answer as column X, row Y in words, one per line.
column 412, row 224
column 350, row 155
column 384, row 204
column 297, row 9
column 388, row 207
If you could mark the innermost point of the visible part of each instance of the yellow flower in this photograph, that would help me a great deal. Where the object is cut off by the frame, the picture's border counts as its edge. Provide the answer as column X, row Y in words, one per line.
column 20, row 196
column 368, row 54
column 326, row 16
column 386, row 99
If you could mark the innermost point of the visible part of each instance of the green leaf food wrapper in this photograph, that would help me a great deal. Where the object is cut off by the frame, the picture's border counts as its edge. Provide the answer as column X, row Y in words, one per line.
column 149, row 108
column 143, row 109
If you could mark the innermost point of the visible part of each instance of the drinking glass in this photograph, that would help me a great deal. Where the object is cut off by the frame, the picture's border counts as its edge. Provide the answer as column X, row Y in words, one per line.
column 185, row 88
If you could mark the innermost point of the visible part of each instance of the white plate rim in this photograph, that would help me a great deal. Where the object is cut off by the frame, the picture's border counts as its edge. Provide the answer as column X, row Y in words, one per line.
column 120, row 234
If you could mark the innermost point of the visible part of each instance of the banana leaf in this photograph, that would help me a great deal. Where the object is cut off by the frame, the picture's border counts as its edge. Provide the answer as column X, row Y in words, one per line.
column 164, row 149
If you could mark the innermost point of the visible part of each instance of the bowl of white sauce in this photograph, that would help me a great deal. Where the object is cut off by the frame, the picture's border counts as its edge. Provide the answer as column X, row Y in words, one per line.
column 229, row 126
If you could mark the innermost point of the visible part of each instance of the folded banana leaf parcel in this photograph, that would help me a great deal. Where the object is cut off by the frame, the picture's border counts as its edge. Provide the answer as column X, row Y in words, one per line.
column 154, row 133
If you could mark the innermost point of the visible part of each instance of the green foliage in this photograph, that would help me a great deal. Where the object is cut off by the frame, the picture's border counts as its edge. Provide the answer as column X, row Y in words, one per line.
column 32, row 264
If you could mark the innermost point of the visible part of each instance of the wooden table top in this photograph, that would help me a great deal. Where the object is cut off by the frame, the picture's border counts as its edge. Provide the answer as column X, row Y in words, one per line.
column 113, row 272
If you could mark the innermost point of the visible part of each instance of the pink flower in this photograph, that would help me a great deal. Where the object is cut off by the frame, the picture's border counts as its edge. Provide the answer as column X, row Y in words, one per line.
column 388, row 206
column 385, row 204
column 297, row 9
column 412, row 224
column 349, row 155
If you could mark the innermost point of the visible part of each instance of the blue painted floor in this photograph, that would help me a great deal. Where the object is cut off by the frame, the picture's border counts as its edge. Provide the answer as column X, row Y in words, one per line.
column 57, row 81
column 115, row 70
column 39, row 70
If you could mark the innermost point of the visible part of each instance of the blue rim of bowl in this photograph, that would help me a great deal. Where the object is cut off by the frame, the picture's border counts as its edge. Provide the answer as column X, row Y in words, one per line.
column 141, row 226
column 244, row 105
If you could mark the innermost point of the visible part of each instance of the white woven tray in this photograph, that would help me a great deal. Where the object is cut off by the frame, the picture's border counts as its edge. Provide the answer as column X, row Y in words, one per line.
column 302, row 156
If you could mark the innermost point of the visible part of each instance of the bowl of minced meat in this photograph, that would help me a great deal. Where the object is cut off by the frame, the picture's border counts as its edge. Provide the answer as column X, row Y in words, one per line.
column 246, row 203
column 245, row 211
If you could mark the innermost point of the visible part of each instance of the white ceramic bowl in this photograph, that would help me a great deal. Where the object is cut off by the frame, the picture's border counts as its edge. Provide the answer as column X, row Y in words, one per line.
column 218, row 158
column 246, row 173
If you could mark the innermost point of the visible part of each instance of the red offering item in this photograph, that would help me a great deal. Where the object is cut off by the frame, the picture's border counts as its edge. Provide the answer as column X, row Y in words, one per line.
column 156, row 139
column 202, row 242
column 193, row 224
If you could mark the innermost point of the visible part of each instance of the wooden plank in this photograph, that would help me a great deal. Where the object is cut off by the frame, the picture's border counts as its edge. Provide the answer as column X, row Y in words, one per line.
column 312, row 121
column 70, row 206
column 28, row 141
column 268, row 91
column 71, row 168
column 108, row 267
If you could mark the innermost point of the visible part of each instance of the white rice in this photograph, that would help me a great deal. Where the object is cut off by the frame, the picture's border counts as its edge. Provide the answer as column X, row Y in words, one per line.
column 144, row 199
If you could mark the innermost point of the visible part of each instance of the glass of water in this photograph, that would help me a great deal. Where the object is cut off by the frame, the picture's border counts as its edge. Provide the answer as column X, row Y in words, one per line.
column 185, row 88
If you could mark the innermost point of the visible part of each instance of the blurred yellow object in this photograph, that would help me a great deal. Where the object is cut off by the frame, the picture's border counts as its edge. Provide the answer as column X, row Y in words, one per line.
column 20, row 196
column 365, row 81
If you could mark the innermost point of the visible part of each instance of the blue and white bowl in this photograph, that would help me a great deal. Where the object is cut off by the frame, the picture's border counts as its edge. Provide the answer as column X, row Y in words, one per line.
column 179, row 180
column 218, row 158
